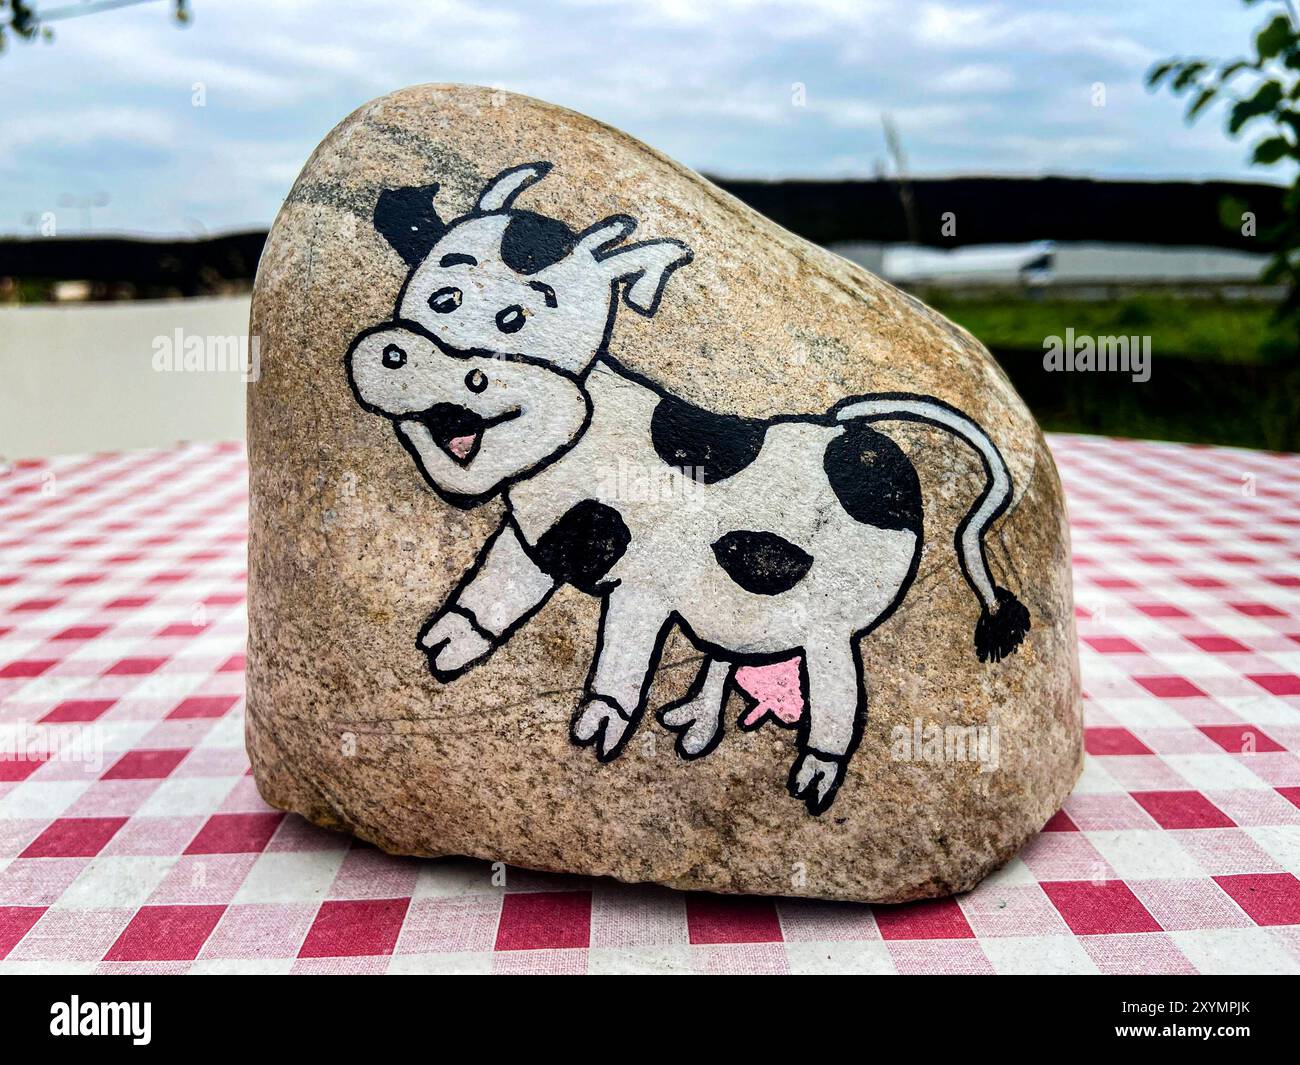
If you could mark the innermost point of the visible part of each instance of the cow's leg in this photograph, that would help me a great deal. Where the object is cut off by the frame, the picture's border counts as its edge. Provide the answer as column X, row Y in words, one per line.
column 697, row 716
column 502, row 590
column 836, row 712
column 631, row 630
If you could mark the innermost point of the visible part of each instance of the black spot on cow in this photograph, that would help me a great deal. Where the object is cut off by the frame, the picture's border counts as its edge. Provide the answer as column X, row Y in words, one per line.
column 532, row 242
column 873, row 479
column 761, row 562
column 583, row 546
column 710, row 447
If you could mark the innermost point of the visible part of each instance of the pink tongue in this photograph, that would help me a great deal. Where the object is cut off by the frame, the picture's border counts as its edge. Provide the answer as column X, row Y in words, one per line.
column 460, row 446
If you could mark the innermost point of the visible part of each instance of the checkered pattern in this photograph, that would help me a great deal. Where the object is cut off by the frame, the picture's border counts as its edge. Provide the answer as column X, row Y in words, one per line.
column 138, row 843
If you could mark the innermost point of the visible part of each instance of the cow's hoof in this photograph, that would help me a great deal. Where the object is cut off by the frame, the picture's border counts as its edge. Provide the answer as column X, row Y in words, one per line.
column 598, row 722
column 698, row 727
column 815, row 778
column 453, row 645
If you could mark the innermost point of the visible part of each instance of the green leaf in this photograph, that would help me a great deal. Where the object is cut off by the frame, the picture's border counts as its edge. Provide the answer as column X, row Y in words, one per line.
column 1275, row 37
column 1189, row 74
column 1266, row 97
column 1202, row 101
column 1268, row 152
column 1157, row 73
column 1231, row 208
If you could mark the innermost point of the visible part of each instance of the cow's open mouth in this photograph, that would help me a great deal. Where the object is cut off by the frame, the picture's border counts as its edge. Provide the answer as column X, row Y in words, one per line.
column 458, row 430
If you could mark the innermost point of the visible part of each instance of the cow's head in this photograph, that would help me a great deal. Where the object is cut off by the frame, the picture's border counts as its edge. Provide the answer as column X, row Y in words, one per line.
column 481, row 371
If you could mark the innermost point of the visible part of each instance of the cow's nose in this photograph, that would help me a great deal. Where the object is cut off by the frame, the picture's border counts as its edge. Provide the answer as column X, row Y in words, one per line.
column 476, row 381
column 394, row 357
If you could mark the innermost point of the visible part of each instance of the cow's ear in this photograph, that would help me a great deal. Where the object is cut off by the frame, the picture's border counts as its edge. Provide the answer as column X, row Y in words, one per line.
column 407, row 219
column 646, row 268
column 600, row 238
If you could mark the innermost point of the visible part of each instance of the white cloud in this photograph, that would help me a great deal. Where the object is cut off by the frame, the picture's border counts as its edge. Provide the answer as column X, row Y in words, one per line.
column 978, row 86
column 975, row 78
column 926, row 118
column 970, row 27
column 133, row 57
column 73, row 128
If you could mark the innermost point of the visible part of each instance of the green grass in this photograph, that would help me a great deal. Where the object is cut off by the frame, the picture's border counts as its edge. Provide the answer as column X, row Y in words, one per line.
column 1222, row 372
column 1205, row 330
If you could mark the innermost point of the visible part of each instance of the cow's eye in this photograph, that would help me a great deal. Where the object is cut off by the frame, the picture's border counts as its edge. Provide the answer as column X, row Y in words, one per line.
column 457, row 258
column 445, row 300
column 511, row 320
column 394, row 358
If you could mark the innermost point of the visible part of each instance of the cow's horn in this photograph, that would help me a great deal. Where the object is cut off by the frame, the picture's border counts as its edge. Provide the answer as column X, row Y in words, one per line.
column 500, row 192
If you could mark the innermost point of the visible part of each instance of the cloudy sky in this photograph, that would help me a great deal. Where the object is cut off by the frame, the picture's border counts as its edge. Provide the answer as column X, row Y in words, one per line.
column 974, row 86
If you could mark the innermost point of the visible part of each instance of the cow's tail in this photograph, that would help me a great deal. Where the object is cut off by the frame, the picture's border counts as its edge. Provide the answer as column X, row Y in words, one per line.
column 1003, row 620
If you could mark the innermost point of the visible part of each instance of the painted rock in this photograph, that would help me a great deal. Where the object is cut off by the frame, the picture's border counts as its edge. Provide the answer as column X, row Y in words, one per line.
column 601, row 525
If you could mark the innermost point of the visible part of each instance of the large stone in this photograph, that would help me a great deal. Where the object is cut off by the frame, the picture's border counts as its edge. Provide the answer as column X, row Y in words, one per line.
column 465, row 344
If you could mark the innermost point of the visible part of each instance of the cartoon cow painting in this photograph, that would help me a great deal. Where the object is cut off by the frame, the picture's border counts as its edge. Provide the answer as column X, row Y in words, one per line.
column 791, row 537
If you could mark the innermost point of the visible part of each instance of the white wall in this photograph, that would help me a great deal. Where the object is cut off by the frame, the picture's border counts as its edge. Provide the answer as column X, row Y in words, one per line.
column 82, row 377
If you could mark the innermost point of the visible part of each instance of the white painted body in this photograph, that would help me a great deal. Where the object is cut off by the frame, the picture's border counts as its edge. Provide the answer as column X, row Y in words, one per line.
column 669, row 565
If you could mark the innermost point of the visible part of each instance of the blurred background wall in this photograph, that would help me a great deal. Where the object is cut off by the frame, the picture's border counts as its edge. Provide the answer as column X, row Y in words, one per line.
column 81, row 377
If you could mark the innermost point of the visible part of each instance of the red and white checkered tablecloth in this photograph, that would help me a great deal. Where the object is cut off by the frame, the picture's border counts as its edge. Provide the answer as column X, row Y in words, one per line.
column 132, row 838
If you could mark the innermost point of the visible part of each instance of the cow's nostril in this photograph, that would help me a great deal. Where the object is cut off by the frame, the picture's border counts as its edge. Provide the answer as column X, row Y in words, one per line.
column 394, row 357
column 445, row 300
column 476, row 381
column 511, row 319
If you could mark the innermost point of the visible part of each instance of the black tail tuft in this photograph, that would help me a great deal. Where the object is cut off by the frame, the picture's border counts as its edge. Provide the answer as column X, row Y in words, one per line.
column 998, row 635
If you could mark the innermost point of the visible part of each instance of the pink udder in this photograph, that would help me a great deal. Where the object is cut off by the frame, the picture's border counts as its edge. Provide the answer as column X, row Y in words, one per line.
column 775, row 689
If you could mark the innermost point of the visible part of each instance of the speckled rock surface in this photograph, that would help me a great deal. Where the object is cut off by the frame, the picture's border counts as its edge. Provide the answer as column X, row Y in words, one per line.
column 370, row 505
